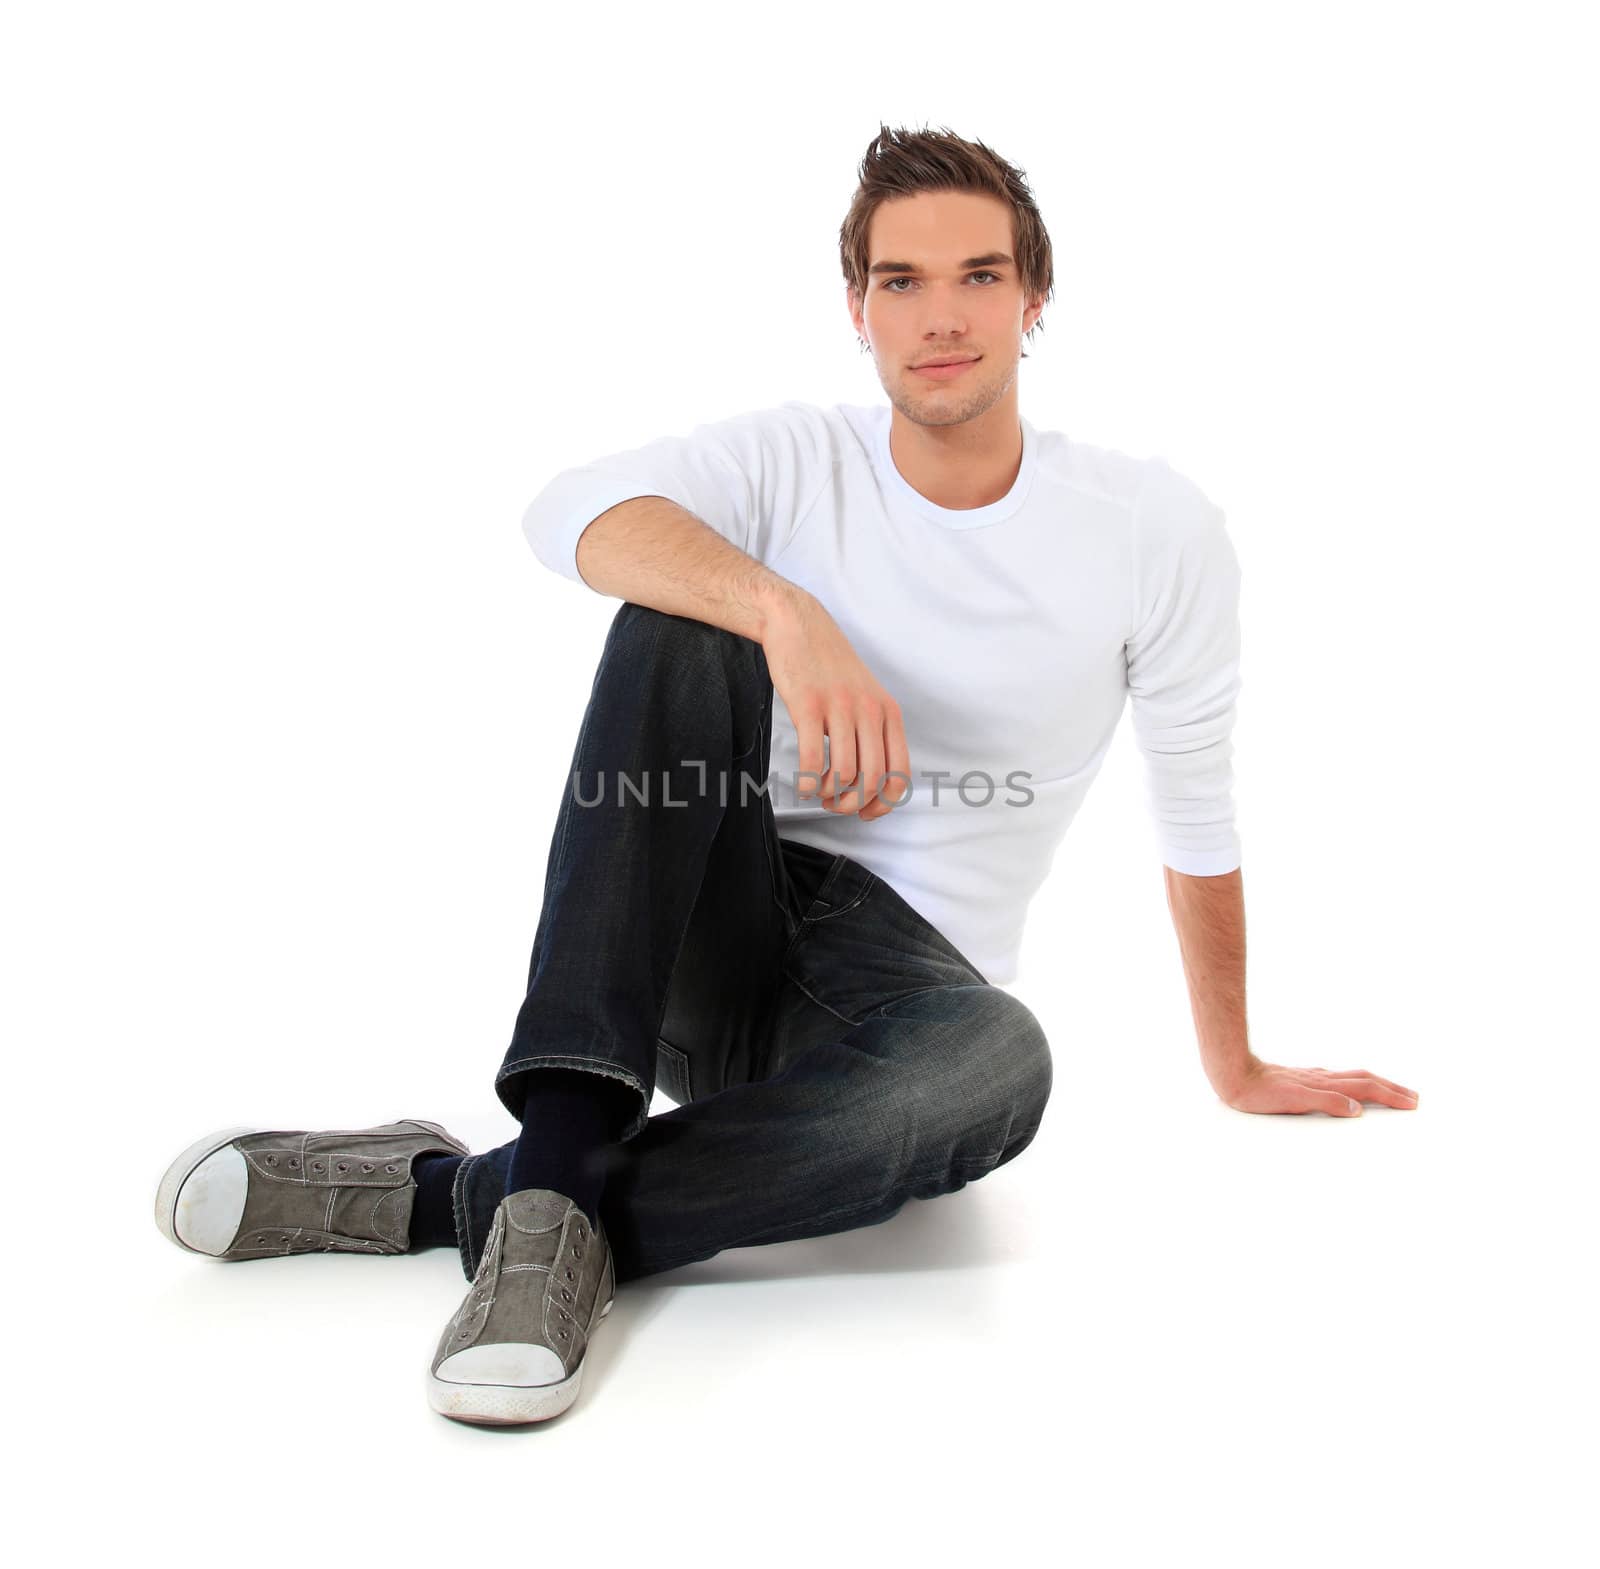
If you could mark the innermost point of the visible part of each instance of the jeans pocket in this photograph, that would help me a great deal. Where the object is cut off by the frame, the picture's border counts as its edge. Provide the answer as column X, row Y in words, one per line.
column 672, row 1072
column 846, row 884
column 821, row 910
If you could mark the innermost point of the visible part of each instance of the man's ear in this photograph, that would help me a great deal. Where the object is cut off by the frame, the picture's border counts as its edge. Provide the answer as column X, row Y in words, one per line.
column 851, row 304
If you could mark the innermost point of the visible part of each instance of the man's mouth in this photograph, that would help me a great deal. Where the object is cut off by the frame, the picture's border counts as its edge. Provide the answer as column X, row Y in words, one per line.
column 944, row 369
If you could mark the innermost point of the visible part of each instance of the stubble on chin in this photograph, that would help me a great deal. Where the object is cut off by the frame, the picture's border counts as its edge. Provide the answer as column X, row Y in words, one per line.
column 927, row 405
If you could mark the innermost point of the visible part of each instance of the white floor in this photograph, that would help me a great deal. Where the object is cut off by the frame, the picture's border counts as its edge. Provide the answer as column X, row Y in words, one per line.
column 1165, row 1327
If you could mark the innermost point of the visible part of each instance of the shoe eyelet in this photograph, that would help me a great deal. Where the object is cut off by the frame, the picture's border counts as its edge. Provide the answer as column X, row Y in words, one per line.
column 316, row 1165
column 577, row 1252
column 462, row 1335
column 366, row 1165
column 567, row 1295
column 294, row 1160
column 272, row 1160
column 569, row 1274
column 391, row 1167
column 561, row 1334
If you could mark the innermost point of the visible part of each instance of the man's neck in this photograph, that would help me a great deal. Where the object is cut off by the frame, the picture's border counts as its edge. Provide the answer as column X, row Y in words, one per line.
column 972, row 464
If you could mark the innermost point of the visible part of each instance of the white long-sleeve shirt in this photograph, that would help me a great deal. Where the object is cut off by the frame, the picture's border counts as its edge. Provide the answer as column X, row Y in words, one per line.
column 1011, row 635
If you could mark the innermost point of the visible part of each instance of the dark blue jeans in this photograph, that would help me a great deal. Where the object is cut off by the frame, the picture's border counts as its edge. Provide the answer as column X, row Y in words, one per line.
column 831, row 1053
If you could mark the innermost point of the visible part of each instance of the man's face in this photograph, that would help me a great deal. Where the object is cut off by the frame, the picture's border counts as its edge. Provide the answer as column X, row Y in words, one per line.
column 926, row 300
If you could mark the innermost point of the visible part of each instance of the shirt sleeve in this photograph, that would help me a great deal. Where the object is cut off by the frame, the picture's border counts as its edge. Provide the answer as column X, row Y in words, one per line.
column 1183, row 670
column 750, row 478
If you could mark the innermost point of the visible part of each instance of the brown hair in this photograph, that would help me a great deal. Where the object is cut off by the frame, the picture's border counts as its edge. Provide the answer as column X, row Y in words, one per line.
column 901, row 162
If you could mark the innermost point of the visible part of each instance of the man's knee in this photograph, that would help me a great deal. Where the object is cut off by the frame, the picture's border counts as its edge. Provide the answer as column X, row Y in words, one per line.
column 682, row 645
column 682, row 636
column 977, row 1069
column 1015, row 1051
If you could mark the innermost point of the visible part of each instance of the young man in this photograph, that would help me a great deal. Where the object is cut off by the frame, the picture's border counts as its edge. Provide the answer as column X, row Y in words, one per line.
column 800, row 918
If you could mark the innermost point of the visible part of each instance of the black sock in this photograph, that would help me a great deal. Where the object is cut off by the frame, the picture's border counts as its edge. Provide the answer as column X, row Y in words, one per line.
column 433, row 1216
column 570, row 1115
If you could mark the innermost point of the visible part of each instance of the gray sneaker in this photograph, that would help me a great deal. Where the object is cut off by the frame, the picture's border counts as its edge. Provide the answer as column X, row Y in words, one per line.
column 253, row 1193
column 514, row 1351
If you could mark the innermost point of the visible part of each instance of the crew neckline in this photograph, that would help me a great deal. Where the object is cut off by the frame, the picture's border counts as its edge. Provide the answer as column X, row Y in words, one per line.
column 955, row 517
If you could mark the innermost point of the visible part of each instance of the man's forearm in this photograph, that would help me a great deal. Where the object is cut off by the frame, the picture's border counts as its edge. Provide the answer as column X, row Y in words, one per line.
column 653, row 552
column 1208, row 916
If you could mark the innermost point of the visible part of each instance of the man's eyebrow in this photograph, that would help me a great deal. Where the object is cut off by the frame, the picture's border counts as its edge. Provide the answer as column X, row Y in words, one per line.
column 993, row 259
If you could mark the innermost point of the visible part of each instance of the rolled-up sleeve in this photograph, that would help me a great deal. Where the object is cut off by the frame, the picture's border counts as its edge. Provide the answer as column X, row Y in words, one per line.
column 741, row 477
column 1183, row 670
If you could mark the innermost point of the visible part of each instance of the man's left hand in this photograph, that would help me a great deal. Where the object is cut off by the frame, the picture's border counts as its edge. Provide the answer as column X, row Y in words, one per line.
column 1264, row 1086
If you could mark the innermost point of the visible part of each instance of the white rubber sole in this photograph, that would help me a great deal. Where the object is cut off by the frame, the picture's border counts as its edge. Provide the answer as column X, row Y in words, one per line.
column 508, row 1405
column 177, row 1212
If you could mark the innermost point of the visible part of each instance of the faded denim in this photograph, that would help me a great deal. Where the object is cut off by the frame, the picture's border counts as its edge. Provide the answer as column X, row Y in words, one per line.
column 832, row 1053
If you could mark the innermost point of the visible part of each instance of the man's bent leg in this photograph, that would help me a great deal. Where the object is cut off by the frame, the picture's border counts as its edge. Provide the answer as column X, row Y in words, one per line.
column 656, row 815
column 916, row 1100
column 673, row 754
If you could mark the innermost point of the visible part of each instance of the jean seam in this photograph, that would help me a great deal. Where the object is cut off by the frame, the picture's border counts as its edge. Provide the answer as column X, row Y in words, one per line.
column 771, row 839
column 937, row 986
column 800, row 930
column 463, row 1215
column 567, row 806
column 739, row 757
column 808, row 921
column 795, row 981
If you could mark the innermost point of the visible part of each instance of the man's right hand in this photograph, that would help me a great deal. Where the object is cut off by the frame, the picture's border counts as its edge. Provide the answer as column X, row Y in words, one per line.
column 828, row 691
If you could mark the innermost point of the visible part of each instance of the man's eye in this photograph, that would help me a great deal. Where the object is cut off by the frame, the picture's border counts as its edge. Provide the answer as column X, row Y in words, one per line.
column 982, row 274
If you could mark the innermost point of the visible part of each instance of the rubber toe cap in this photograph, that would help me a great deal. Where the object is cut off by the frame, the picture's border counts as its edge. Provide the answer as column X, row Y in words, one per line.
column 525, row 1366
column 211, row 1202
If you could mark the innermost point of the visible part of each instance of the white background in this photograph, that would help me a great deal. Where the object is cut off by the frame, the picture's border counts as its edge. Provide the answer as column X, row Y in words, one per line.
column 303, row 303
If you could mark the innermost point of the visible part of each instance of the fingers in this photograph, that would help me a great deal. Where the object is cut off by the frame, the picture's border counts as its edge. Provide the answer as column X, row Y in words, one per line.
column 841, row 761
column 1297, row 1090
column 1388, row 1084
column 868, row 768
column 808, row 734
column 1367, row 1086
column 885, row 763
column 897, row 755
column 1336, row 1103
column 869, row 758
column 862, row 768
